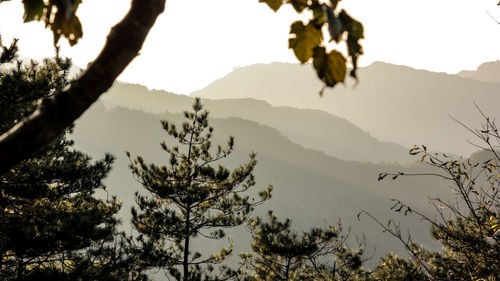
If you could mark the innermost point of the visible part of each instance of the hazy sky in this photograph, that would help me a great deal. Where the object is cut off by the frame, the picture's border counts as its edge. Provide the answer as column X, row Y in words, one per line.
column 197, row 41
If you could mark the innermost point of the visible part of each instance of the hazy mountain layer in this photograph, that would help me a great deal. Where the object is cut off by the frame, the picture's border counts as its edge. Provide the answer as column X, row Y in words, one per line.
column 486, row 72
column 312, row 188
column 394, row 103
column 309, row 128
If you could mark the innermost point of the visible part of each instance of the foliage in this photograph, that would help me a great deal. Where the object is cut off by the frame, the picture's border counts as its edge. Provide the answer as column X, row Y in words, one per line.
column 466, row 227
column 51, row 224
column 282, row 254
column 190, row 199
column 59, row 16
column 395, row 268
column 24, row 84
column 307, row 39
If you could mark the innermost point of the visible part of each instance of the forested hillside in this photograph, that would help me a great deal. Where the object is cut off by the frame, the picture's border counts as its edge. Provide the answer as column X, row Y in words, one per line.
column 310, row 128
column 309, row 186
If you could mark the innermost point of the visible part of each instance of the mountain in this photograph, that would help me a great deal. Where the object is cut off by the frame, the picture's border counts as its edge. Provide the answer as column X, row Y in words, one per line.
column 486, row 72
column 393, row 103
column 310, row 187
column 310, row 128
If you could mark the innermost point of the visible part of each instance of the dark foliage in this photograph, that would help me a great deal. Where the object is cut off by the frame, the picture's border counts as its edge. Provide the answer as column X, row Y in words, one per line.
column 52, row 226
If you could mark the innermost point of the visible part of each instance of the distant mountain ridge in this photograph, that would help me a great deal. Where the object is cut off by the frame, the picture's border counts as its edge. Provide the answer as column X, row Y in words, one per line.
column 487, row 72
column 312, row 188
column 394, row 103
column 310, row 128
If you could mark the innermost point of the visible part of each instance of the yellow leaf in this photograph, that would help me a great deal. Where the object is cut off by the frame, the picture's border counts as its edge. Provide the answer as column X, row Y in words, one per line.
column 273, row 4
column 71, row 28
column 306, row 38
column 330, row 67
column 299, row 5
column 33, row 10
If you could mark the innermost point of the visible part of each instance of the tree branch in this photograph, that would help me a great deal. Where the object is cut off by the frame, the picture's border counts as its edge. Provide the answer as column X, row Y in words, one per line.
column 58, row 112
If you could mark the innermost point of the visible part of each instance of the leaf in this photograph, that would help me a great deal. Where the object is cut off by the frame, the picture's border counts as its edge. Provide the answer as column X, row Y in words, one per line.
column 423, row 157
column 335, row 26
column 33, row 10
column 334, row 3
column 69, row 28
column 298, row 5
column 71, row 7
column 319, row 17
column 355, row 33
column 307, row 37
column 273, row 4
column 381, row 176
column 414, row 151
column 331, row 68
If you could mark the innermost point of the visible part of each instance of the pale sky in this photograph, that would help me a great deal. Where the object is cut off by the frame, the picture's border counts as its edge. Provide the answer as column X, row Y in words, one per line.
column 197, row 41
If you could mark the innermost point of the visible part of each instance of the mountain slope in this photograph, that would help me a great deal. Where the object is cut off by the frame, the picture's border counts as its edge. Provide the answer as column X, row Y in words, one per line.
column 486, row 72
column 309, row 128
column 394, row 103
column 312, row 188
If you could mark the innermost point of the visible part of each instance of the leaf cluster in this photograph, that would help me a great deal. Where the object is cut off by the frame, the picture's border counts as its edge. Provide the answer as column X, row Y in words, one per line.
column 466, row 226
column 308, row 43
column 59, row 16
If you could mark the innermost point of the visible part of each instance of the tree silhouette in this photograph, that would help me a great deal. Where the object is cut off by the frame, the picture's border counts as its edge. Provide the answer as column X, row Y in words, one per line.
column 282, row 254
column 51, row 224
column 190, row 198
column 466, row 225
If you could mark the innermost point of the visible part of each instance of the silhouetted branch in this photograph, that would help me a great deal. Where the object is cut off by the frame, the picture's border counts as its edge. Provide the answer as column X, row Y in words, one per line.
column 123, row 44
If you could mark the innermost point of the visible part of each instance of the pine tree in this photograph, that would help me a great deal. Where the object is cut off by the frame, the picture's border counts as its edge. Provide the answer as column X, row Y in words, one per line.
column 279, row 253
column 191, row 199
column 52, row 227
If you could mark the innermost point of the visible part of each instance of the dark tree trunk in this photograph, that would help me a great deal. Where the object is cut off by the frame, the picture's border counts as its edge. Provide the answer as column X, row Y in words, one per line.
column 123, row 44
